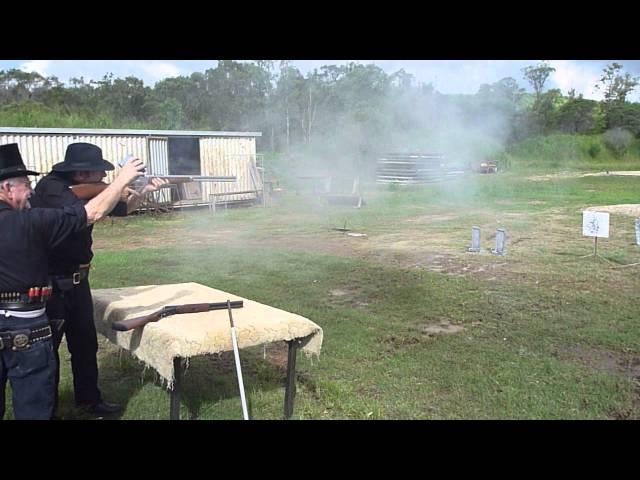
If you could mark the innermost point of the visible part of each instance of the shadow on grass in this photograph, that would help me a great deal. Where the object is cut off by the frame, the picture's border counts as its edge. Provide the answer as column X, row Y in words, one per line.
column 208, row 380
column 211, row 379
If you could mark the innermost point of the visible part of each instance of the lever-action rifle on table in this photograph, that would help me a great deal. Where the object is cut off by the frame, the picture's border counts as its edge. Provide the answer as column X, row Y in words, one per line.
column 124, row 325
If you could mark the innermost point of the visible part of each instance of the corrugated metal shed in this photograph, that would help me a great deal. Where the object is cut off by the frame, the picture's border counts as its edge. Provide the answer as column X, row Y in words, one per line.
column 221, row 153
column 410, row 168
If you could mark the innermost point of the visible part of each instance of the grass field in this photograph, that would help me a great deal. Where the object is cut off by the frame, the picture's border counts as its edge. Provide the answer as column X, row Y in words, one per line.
column 414, row 326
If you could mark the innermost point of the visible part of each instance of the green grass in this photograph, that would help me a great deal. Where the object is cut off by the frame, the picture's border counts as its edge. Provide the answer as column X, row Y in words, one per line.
column 568, row 152
column 376, row 361
column 547, row 334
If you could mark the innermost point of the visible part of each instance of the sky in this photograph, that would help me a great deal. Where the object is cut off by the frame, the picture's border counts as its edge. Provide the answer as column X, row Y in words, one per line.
column 447, row 76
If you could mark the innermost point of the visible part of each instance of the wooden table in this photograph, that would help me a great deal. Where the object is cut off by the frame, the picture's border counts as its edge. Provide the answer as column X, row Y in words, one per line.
column 164, row 345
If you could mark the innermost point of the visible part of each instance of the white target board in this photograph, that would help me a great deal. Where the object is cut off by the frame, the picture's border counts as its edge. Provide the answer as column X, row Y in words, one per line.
column 595, row 224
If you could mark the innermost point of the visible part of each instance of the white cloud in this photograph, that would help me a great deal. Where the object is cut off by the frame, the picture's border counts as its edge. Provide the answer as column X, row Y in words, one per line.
column 39, row 66
column 152, row 70
column 581, row 77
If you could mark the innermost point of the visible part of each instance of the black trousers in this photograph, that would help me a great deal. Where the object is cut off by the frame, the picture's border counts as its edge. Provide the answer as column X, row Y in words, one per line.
column 75, row 306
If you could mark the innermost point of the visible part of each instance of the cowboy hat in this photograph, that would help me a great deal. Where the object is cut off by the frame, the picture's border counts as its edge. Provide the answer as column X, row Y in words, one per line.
column 83, row 157
column 11, row 164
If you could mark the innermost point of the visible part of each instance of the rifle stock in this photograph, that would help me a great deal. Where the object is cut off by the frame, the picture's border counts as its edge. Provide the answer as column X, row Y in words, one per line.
column 124, row 325
column 86, row 191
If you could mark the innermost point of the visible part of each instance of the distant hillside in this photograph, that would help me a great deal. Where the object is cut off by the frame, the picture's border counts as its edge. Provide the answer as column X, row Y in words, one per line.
column 571, row 152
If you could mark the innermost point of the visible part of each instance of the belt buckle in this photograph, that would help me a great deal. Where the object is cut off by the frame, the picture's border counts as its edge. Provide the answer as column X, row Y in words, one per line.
column 20, row 340
column 76, row 278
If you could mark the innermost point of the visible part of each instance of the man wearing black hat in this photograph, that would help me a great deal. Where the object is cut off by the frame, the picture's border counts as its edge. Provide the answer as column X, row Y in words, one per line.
column 71, row 306
column 26, row 237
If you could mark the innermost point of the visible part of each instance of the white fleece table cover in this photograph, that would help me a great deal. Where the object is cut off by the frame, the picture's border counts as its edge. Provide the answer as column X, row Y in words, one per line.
column 187, row 335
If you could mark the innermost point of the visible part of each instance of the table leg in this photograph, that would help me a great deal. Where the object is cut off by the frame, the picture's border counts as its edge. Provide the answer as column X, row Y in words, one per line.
column 174, row 409
column 290, row 388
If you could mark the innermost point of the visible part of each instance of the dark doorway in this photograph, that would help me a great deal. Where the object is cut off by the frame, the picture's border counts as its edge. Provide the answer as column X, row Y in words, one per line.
column 184, row 156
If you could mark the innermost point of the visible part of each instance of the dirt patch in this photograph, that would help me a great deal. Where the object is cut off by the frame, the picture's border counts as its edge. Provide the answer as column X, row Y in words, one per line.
column 603, row 360
column 347, row 297
column 324, row 243
column 408, row 249
column 632, row 209
column 616, row 363
column 277, row 354
column 414, row 248
column 633, row 173
column 397, row 341
column 168, row 237
column 338, row 293
column 444, row 327
column 408, row 246
column 551, row 176
column 393, row 342
column 442, row 217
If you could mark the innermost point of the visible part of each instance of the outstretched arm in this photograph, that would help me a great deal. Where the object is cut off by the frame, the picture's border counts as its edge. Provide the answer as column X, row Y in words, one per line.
column 100, row 206
column 135, row 199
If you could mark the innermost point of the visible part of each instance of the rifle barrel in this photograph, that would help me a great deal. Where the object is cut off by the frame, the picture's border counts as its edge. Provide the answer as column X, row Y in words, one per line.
column 225, row 305
column 198, row 178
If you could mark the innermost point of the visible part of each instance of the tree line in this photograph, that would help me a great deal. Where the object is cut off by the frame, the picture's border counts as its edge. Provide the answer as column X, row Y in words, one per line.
column 333, row 105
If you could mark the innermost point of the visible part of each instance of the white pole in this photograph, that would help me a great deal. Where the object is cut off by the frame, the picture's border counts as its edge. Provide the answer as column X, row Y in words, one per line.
column 236, row 355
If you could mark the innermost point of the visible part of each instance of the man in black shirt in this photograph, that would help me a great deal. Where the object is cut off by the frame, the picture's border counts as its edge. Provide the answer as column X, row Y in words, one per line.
column 71, row 306
column 26, row 236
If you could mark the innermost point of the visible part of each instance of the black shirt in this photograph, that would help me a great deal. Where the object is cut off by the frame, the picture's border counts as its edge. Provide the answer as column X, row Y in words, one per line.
column 53, row 191
column 26, row 237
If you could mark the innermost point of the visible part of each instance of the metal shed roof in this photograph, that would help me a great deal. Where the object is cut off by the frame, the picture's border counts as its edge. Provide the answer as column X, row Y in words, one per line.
column 106, row 131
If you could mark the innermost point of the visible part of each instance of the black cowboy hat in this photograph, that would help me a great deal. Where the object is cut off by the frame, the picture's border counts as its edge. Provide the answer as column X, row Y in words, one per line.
column 11, row 164
column 83, row 157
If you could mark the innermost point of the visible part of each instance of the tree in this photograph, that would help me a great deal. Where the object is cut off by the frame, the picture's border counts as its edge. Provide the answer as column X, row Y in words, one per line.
column 167, row 115
column 317, row 91
column 543, row 106
column 17, row 85
column 625, row 115
column 189, row 92
column 498, row 103
column 124, row 98
column 289, row 86
column 537, row 76
column 402, row 80
column 577, row 115
column 615, row 88
column 270, row 118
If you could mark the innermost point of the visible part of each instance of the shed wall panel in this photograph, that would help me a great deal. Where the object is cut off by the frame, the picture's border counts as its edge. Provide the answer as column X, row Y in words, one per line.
column 229, row 157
